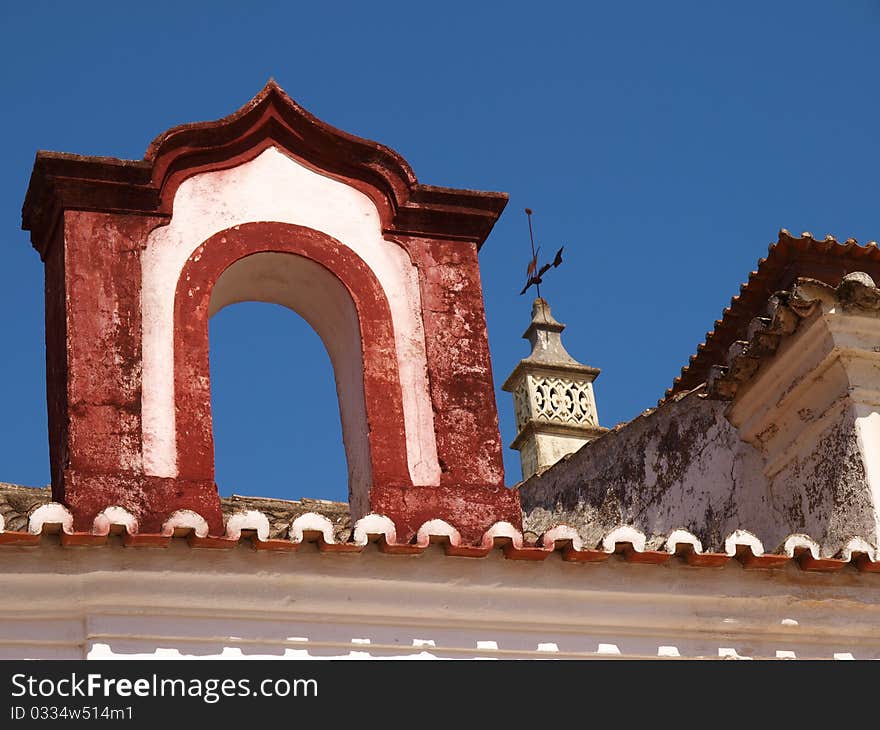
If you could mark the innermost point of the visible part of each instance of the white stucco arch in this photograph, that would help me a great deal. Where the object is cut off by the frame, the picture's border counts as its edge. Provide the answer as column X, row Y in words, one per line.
column 275, row 187
column 322, row 300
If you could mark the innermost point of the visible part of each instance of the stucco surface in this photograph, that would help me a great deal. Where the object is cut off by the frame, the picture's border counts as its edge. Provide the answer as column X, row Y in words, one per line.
column 184, row 603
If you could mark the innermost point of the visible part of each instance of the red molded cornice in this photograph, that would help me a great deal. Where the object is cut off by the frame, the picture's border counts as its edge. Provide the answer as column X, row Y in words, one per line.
column 61, row 181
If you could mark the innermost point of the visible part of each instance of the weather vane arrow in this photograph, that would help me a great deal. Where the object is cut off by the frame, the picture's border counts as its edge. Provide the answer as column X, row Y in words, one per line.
column 533, row 273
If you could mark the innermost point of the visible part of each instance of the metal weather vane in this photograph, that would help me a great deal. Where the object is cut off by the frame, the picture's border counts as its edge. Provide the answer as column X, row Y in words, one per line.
column 533, row 273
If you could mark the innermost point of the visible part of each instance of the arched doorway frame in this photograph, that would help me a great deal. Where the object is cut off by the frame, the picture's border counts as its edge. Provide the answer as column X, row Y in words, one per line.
column 382, row 420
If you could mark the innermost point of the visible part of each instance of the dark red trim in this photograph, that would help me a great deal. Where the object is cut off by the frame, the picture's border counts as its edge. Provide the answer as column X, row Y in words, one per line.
column 382, row 390
column 106, row 209
column 460, row 379
column 60, row 181
column 472, row 509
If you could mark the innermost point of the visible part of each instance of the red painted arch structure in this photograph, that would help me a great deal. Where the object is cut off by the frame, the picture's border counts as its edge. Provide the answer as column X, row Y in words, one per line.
column 91, row 220
column 381, row 378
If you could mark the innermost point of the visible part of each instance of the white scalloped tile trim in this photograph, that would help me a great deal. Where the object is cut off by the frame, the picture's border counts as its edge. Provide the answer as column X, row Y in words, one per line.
column 502, row 529
column 185, row 519
column 800, row 541
column 114, row 515
column 50, row 514
column 374, row 525
column 683, row 537
column 561, row 533
column 857, row 545
column 437, row 528
column 745, row 538
column 311, row 522
column 624, row 533
column 247, row 520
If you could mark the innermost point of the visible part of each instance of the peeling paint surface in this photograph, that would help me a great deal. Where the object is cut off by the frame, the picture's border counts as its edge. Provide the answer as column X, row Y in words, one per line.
column 274, row 187
column 681, row 467
column 792, row 452
column 129, row 280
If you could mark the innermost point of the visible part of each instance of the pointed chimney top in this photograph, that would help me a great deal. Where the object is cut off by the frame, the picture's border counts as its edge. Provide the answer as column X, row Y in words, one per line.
column 545, row 335
column 541, row 315
column 554, row 404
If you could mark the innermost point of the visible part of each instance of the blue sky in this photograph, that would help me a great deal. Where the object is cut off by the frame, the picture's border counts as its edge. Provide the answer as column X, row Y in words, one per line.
column 664, row 144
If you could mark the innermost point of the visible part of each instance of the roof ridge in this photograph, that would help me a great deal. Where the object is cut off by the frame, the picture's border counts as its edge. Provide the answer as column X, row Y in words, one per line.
column 625, row 541
column 785, row 261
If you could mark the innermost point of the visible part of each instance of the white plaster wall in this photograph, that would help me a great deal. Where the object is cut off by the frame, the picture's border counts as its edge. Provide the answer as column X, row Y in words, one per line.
column 274, row 187
column 795, row 452
column 867, row 426
column 815, row 400
column 633, row 476
column 551, row 447
column 239, row 604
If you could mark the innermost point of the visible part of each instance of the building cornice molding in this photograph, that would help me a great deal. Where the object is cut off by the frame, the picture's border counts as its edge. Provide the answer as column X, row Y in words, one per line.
column 536, row 426
column 206, row 603
column 789, row 258
column 530, row 367
column 61, row 181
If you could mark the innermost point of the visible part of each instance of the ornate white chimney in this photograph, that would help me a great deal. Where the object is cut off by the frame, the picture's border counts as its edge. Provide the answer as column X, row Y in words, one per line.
column 552, row 395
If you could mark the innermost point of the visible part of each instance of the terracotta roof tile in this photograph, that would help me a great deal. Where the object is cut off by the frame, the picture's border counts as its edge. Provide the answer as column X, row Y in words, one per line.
column 624, row 542
column 788, row 259
column 784, row 312
column 17, row 502
column 282, row 512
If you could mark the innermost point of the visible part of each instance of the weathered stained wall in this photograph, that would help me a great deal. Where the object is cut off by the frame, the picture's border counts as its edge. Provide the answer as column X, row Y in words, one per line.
column 99, row 344
column 459, row 368
column 824, row 491
column 685, row 466
column 792, row 452
column 275, row 187
column 682, row 466
column 128, row 294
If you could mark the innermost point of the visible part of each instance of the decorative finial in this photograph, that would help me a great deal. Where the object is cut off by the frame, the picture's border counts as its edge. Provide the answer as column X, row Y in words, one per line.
column 533, row 273
column 553, row 399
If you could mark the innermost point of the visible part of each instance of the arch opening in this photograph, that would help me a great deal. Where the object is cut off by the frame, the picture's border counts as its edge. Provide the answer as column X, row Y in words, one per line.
column 274, row 406
column 331, row 288
column 311, row 291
